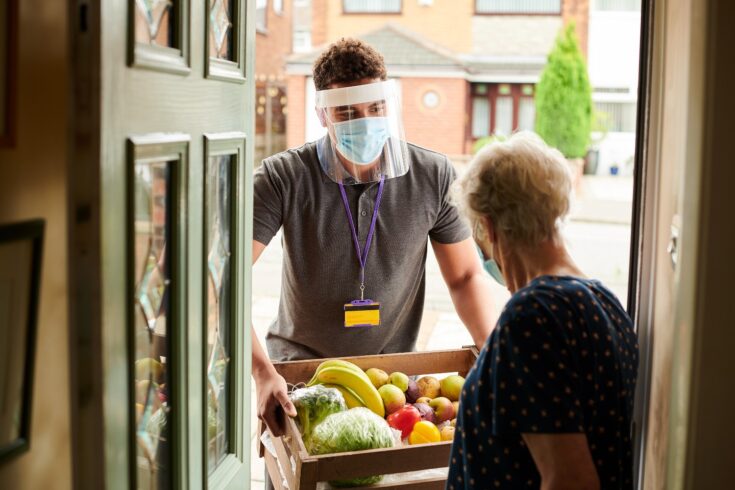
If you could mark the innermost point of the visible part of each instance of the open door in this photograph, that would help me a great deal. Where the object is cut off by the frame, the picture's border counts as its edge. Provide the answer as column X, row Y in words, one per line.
column 161, row 242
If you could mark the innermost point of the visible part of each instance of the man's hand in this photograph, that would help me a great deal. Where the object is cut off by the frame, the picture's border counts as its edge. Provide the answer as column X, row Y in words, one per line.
column 468, row 286
column 273, row 401
column 271, row 388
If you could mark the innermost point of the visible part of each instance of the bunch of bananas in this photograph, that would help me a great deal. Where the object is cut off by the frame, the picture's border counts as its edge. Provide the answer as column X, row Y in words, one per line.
column 352, row 382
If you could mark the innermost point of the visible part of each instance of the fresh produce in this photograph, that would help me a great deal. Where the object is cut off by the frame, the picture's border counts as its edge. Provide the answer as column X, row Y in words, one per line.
column 400, row 380
column 453, row 422
column 455, row 405
column 356, row 380
column 451, row 387
column 392, row 396
column 447, row 433
column 427, row 413
column 412, row 392
column 149, row 367
column 429, row 386
column 377, row 376
column 423, row 399
column 404, row 419
column 334, row 363
column 424, row 432
column 443, row 409
column 353, row 430
column 351, row 400
column 313, row 405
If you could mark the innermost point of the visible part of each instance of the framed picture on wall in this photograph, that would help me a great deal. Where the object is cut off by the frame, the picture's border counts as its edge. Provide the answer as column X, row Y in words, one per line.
column 21, row 246
column 8, row 70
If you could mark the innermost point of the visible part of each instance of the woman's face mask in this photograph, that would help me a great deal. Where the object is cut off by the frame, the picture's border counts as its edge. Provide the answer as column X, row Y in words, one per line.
column 490, row 265
column 361, row 141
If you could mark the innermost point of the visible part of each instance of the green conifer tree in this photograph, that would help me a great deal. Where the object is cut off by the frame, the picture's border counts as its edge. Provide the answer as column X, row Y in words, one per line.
column 564, row 98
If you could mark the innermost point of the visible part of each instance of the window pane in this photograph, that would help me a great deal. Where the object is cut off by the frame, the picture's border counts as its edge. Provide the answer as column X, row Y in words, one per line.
column 480, row 117
column 301, row 41
column 221, row 32
column 618, row 5
column 154, row 22
column 219, row 289
column 152, row 230
column 357, row 6
column 261, row 14
column 617, row 117
column 526, row 114
column 504, row 115
column 518, row 6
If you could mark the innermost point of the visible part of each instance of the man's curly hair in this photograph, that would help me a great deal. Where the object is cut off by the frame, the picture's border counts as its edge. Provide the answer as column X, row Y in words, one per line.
column 348, row 60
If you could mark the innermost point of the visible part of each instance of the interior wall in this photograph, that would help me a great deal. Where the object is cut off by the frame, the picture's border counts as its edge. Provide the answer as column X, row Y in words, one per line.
column 33, row 185
column 710, row 431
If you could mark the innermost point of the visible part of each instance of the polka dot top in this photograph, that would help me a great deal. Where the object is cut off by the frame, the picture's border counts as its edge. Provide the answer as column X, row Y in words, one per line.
column 563, row 358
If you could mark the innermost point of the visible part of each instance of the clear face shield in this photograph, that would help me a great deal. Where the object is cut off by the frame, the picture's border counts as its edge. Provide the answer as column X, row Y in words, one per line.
column 366, row 139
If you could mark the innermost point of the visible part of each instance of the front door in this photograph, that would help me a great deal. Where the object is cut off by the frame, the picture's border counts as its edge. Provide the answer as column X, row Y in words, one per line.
column 161, row 243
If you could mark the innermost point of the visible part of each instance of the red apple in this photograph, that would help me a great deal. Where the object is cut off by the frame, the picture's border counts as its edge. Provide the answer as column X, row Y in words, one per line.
column 404, row 419
column 427, row 413
column 443, row 409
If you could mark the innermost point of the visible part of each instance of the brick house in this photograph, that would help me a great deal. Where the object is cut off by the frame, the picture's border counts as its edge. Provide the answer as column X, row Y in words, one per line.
column 273, row 44
column 466, row 68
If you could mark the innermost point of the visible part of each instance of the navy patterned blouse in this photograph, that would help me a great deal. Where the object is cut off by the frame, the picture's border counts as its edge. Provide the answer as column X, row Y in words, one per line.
column 563, row 358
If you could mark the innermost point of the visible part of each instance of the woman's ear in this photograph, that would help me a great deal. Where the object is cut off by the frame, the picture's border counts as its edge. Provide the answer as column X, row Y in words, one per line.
column 490, row 228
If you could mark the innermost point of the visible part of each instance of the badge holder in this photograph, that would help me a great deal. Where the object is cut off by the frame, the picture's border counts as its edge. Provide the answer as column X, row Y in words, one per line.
column 362, row 313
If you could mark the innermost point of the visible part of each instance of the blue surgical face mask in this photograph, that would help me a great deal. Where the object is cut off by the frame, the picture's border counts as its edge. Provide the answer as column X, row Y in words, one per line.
column 491, row 267
column 362, row 140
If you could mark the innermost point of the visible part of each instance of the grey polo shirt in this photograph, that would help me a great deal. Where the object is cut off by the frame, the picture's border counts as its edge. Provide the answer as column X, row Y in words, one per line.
column 320, row 266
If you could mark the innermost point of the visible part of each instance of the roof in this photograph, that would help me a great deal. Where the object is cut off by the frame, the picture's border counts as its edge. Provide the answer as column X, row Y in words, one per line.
column 400, row 48
column 406, row 51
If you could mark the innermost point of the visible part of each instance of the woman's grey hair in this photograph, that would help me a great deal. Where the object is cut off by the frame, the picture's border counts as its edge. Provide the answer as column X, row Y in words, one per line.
column 522, row 184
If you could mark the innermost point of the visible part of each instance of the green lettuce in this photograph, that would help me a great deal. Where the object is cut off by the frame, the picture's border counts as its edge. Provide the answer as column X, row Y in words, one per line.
column 314, row 404
column 354, row 430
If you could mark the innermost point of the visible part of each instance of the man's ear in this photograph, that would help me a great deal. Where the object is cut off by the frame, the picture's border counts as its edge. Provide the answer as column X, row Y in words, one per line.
column 321, row 115
column 490, row 227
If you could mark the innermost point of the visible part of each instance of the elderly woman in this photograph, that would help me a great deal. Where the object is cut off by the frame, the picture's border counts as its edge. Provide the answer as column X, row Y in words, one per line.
column 549, row 403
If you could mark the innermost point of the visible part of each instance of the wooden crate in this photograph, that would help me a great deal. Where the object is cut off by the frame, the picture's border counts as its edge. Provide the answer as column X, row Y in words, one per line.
column 310, row 470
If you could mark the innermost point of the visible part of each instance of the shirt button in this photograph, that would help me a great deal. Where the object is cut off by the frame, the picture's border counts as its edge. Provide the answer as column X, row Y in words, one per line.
column 364, row 213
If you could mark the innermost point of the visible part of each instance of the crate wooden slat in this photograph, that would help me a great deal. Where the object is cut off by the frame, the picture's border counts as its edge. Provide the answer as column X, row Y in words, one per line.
column 413, row 363
column 309, row 470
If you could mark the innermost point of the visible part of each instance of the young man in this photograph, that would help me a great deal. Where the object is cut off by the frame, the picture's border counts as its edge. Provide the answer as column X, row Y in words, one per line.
column 356, row 208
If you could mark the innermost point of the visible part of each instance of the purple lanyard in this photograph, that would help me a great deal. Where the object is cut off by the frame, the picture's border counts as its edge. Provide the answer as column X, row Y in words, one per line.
column 362, row 255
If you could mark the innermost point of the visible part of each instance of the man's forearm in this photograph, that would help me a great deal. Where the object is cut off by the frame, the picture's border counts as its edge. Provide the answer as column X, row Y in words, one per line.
column 262, row 365
column 472, row 299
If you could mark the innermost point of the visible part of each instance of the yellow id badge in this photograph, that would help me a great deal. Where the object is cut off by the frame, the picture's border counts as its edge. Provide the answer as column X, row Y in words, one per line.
column 362, row 313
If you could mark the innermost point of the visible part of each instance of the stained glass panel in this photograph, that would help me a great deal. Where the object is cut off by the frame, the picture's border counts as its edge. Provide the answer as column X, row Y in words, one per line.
column 221, row 31
column 152, row 227
column 219, row 213
column 154, row 22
